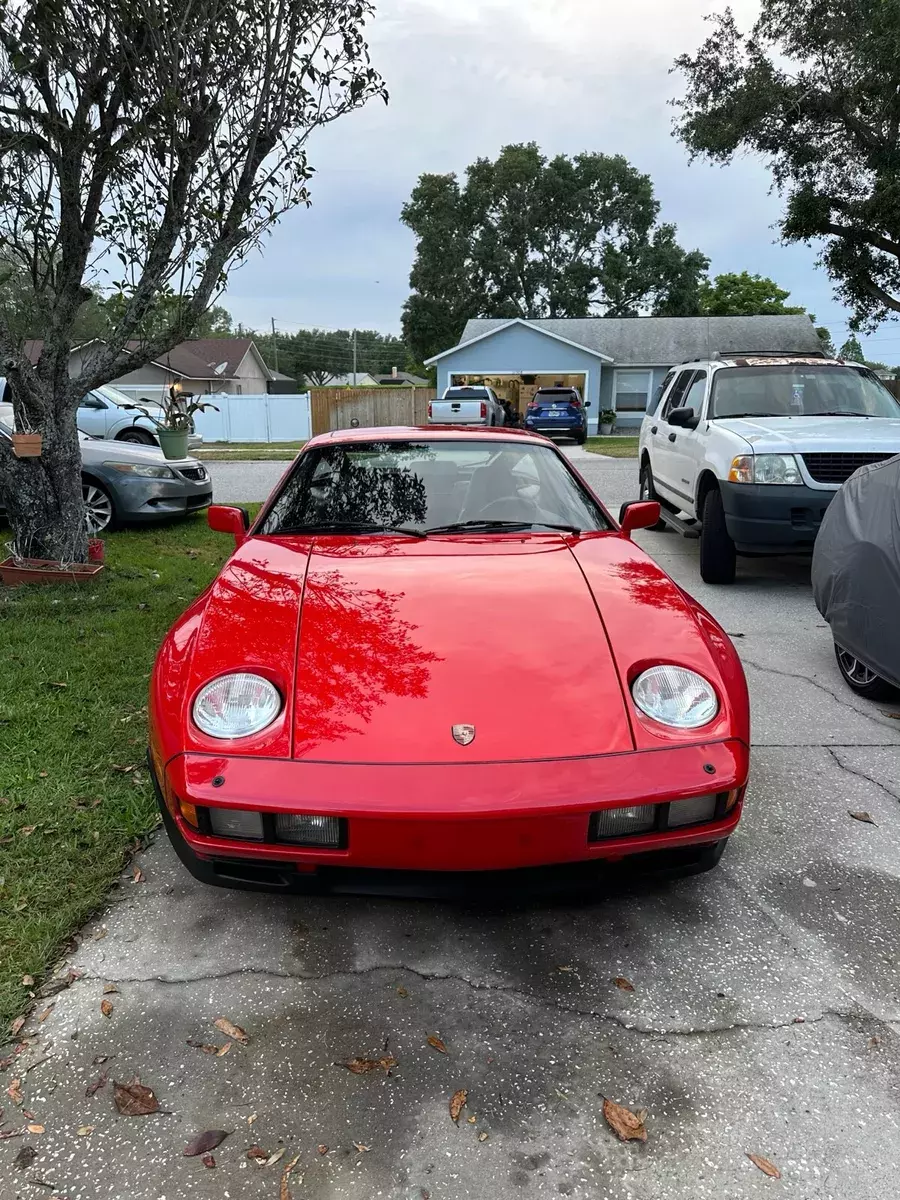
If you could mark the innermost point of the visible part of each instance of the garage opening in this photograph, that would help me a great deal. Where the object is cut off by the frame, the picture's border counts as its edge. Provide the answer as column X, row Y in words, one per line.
column 519, row 389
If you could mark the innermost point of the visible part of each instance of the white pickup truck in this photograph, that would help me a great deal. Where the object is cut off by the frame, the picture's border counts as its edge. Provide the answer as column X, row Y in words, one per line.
column 475, row 405
column 747, row 451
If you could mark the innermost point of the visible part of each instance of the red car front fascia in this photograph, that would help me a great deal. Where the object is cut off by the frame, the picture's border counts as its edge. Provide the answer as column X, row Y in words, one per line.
column 474, row 817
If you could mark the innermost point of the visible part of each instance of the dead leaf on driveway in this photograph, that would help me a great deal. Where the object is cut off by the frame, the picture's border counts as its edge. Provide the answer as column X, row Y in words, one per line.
column 27, row 981
column 210, row 1047
column 862, row 816
column 134, row 1100
column 360, row 1148
column 35, row 1129
column 233, row 1031
column 208, row 1160
column 138, row 876
column 436, row 1044
column 625, row 1124
column 257, row 1154
column 109, row 989
column 45, row 1014
column 84, row 1130
column 14, row 1091
column 362, row 1066
column 285, row 1192
column 16, row 1026
column 322, row 1148
column 25, row 1157
column 204, row 1142
column 457, row 1103
column 767, row 1168
column 106, row 1008
column 273, row 1158
column 623, row 984
column 402, row 992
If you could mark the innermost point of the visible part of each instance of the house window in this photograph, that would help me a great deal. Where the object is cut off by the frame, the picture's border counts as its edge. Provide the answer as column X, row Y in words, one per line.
column 632, row 390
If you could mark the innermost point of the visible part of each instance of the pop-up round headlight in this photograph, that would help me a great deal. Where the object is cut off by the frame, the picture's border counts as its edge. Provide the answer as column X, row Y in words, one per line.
column 675, row 696
column 236, row 706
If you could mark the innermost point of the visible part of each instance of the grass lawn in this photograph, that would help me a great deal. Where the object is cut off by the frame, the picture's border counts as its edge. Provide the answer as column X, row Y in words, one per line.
column 614, row 447
column 74, row 792
column 249, row 451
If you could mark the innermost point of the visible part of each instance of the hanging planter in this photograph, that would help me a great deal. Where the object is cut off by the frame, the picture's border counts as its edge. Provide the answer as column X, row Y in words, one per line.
column 27, row 445
column 16, row 571
column 173, row 442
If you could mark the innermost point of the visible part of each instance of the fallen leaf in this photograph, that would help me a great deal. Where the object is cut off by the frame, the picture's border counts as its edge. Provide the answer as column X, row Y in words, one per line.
column 322, row 1148
column 862, row 816
column 10, row 1133
column 874, row 1042
column 253, row 1117
column 206, row 1047
column 27, row 830
column 52, row 683
column 109, row 989
column 25, row 1157
column 99, row 1059
column 483, row 1137
column 457, row 1102
column 223, row 1049
column 16, row 1026
column 623, row 984
column 232, row 1031
column 208, row 1160
column 767, row 1168
column 564, row 968
column 45, row 1014
column 14, row 1091
column 362, row 1066
column 257, row 1153
column 436, row 1044
column 122, row 770
column 273, row 1158
column 42, row 774
column 402, row 992
column 471, row 1120
column 27, row 981
column 625, row 1124
column 138, row 876
column 134, row 1100
column 84, row 1130
column 29, row 1116
column 35, row 1129
column 106, row 1007
column 204, row 1142
column 361, row 1148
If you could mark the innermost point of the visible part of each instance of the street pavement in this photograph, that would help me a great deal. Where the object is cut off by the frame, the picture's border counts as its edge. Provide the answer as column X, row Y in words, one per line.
column 763, row 1020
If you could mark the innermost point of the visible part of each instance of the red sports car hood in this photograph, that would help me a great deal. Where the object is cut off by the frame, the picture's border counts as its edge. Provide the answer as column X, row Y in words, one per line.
column 385, row 650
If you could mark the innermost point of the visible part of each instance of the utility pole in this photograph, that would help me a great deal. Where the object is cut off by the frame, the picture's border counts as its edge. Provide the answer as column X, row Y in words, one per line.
column 354, row 358
column 274, row 344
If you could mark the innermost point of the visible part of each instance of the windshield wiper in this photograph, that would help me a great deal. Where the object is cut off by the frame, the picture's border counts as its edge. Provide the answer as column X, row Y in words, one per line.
column 488, row 526
column 842, row 413
column 353, row 527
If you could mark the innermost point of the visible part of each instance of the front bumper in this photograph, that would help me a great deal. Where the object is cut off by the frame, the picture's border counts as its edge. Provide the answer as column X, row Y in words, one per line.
column 473, row 818
column 764, row 518
column 144, row 500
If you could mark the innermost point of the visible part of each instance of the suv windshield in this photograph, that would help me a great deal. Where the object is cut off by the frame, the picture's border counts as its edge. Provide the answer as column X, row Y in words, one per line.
column 799, row 390
column 370, row 487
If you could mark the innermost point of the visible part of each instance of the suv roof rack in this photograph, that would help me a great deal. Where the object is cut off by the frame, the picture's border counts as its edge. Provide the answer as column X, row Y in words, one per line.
column 720, row 354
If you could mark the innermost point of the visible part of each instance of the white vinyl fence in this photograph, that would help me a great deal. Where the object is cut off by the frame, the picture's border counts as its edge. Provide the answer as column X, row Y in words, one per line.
column 255, row 419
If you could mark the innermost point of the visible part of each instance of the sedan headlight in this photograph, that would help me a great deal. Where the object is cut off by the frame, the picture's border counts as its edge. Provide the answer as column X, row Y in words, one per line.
column 144, row 470
column 765, row 468
column 675, row 696
column 236, row 706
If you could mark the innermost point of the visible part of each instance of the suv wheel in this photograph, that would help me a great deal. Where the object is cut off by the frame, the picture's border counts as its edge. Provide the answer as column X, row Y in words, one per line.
column 648, row 492
column 718, row 557
column 861, row 679
column 136, row 436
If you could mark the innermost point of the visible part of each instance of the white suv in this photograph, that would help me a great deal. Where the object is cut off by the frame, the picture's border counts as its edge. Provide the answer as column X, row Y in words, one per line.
column 746, row 451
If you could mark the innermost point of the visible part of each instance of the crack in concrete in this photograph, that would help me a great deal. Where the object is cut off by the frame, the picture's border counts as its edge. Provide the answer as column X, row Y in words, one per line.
column 503, row 989
column 842, row 700
column 860, row 774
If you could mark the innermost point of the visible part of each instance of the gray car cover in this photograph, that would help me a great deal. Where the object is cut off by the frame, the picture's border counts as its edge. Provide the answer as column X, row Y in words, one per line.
column 856, row 568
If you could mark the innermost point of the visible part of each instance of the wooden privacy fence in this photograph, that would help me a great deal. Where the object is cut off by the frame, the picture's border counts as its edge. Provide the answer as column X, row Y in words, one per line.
column 337, row 408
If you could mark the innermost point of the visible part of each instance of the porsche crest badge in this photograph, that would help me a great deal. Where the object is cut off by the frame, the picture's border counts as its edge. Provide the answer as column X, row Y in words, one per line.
column 464, row 734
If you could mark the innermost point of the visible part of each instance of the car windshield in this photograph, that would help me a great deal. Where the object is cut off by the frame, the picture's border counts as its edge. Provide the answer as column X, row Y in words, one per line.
column 799, row 390
column 114, row 396
column 423, row 487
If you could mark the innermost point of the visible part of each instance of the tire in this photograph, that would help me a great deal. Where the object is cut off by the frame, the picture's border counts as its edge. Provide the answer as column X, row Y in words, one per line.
column 648, row 492
column 99, row 509
column 581, row 439
column 718, row 558
column 861, row 679
column 136, row 436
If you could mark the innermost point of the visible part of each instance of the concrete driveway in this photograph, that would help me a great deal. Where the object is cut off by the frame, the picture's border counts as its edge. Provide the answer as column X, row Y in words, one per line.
column 763, row 1020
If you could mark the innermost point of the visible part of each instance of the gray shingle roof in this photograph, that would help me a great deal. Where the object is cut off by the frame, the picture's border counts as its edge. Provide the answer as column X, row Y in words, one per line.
column 661, row 341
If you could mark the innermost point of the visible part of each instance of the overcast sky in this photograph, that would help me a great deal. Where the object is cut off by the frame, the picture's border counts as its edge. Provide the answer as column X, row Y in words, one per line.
column 466, row 77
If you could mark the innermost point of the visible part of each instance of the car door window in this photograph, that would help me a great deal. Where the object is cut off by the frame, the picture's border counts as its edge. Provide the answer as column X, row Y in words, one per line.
column 677, row 394
column 661, row 391
column 696, row 393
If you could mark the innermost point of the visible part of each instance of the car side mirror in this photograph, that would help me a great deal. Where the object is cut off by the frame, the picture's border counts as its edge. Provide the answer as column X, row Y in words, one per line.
column 637, row 514
column 683, row 418
column 587, row 404
column 227, row 519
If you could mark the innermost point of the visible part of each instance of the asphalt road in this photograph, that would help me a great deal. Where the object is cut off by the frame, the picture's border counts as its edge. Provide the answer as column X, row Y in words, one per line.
column 764, row 1016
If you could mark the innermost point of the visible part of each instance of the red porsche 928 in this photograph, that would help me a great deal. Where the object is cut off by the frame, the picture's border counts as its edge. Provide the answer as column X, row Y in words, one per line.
column 435, row 651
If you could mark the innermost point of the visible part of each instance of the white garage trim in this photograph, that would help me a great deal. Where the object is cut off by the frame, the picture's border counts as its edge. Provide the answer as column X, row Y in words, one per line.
column 527, row 325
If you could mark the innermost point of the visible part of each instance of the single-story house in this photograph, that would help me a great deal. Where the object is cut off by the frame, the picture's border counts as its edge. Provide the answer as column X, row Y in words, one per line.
column 617, row 363
column 368, row 379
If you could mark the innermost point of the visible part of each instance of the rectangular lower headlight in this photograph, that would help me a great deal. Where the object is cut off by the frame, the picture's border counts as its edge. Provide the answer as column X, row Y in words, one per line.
column 236, row 823
column 620, row 822
column 303, row 829
column 692, row 812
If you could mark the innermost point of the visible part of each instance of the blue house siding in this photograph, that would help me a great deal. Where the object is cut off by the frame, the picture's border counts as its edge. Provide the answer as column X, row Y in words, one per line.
column 523, row 351
column 629, row 421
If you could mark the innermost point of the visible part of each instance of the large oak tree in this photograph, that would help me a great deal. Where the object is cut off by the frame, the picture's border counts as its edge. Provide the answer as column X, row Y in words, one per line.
column 150, row 144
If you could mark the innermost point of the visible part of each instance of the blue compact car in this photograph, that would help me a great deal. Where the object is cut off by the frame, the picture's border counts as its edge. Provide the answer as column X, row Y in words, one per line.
column 558, row 412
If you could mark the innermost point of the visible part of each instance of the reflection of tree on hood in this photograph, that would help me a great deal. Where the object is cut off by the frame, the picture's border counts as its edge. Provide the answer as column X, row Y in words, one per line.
column 354, row 651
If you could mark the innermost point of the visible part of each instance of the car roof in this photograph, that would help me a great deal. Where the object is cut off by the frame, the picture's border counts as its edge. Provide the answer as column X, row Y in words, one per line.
column 425, row 433
column 763, row 360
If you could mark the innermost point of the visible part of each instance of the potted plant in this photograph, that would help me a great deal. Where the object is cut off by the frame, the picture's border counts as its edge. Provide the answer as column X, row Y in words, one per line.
column 20, row 568
column 607, row 421
column 175, row 428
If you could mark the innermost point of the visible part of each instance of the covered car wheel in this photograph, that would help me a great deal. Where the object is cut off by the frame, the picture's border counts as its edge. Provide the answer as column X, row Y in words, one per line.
column 648, row 492
column 137, row 436
column 99, row 510
column 718, row 557
column 861, row 679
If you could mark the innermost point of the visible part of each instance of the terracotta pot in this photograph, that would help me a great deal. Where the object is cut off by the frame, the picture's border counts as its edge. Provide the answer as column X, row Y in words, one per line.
column 43, row 570
column 27, row 445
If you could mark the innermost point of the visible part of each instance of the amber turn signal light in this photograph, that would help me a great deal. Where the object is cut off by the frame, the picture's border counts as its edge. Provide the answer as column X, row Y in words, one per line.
column 189, row 813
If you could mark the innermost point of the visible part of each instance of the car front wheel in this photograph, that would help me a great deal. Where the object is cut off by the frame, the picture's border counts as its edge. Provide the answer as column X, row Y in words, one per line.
column 718, row 557
column 861, row 679
column 99, row 510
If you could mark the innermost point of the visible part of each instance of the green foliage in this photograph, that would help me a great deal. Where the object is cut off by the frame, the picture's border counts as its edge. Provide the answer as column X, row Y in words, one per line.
column 814, row 88
column 527, row 236
column 315, row 355
column 169, row 310
column 744, row 295
column 852, row 350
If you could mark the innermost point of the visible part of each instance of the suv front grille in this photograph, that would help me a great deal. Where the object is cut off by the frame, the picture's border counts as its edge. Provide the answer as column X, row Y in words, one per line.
column 837, row 468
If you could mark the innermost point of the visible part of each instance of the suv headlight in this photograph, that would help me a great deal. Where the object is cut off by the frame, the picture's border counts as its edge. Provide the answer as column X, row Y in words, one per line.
column 235, row 706
column 765, row 468
column 675, row 696
column 145, row 471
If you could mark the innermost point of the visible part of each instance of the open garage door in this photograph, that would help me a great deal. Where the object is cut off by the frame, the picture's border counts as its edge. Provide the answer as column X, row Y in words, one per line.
column 519, row 389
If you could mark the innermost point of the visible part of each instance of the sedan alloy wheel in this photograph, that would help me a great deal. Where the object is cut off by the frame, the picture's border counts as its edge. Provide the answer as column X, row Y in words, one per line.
column 98, row 508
